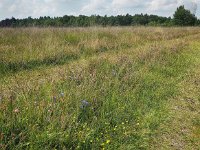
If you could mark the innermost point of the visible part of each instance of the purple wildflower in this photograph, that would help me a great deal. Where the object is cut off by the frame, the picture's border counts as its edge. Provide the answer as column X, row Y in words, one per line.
column 54, row 99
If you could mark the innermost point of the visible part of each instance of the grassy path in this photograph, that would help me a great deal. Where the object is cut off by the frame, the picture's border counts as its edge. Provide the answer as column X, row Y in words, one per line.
column 30, row 57
column 182, row 130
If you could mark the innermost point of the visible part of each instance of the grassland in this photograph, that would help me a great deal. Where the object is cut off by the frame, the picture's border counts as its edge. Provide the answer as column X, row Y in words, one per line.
column 100, row 88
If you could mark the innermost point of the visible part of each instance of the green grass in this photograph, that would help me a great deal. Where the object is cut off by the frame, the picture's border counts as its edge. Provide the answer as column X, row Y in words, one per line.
column 128, row 76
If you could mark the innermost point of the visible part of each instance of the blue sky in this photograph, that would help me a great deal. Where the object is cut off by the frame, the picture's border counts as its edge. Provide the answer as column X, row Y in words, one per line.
column 36, row 8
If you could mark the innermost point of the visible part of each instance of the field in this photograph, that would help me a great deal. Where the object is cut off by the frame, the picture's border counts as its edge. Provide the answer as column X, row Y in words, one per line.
column 126, row 88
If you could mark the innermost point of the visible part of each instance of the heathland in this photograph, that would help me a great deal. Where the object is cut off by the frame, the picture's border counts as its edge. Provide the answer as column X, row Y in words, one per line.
column 100, row 88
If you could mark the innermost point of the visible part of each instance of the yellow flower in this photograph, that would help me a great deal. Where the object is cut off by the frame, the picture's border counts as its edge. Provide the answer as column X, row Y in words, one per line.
column 78, row 147
column 107, row 141
column 102, row 144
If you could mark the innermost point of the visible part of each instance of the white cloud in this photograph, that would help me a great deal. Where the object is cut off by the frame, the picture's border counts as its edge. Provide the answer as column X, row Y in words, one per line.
column 128, row 6
column 128, row 3
column 2, row 3
column 155, row 5
column 95, row 5
column 36, row 8
column 190, row 4
column 30, row 8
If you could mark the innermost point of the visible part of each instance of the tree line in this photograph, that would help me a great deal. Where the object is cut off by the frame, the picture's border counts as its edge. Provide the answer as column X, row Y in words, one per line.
column 181, row 17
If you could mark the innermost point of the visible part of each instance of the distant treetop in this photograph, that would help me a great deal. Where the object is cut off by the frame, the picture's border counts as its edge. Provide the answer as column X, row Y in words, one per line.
column 182, row 17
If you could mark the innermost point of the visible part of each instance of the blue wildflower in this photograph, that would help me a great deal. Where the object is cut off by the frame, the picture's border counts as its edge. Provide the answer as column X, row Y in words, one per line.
column 62, row 94
column 84, row 104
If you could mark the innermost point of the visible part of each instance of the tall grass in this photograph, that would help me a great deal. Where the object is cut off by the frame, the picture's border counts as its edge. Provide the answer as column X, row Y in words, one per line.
column 88, row 88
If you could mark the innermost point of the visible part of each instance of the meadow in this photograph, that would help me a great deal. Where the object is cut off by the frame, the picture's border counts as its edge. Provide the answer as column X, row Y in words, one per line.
column 126, row 88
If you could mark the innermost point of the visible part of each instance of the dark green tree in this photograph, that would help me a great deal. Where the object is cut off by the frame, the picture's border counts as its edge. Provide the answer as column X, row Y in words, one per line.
column 183, row 17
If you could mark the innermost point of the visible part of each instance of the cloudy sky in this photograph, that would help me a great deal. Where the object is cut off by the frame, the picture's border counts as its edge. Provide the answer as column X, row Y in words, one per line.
column 36, row 8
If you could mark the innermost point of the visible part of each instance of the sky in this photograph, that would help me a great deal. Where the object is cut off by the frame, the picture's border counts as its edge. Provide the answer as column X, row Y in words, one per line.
column 37, row 8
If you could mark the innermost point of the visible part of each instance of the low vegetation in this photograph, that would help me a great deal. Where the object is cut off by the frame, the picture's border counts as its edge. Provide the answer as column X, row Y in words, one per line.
column 99, row 88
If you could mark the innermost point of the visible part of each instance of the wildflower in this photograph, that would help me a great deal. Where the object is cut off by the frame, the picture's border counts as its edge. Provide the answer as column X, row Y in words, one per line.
column 12, row 97
column 114, row 72
column 122, row 123
column 54, row 99
column 62, row 94
column 102, row 144
column 107, row 141
column 95, row 100
column 84, row 104
column 16, row 110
